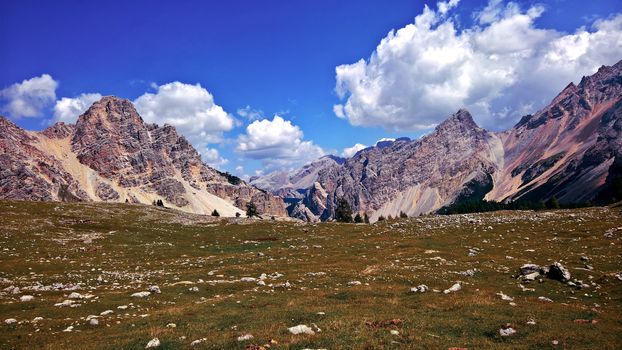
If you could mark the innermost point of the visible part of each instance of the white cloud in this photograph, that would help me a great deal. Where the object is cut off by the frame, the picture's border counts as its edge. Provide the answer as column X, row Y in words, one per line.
column 500, row 69
column 277, row 143
column 385, row 139
column 250, row 113
column 68, row 109
column 351, row 151
column 30, row 97
column 189, row 108
column 213, row 158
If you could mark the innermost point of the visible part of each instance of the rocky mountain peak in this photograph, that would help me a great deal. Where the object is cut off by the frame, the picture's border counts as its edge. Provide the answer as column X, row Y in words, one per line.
column 458, row 124
column 111, row 111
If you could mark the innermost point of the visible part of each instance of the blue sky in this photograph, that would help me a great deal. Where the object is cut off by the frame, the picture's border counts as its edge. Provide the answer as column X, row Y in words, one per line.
column 280, row 57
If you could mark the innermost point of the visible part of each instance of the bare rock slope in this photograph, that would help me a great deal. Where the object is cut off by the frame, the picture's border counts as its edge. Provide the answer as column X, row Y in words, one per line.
column 110, row 154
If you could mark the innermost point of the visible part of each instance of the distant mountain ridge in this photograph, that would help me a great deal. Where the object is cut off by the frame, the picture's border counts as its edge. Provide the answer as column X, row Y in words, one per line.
column 111, row 155
column 571, row 149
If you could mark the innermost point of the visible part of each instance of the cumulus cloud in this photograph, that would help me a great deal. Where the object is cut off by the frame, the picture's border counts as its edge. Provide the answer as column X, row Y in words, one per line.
column 351, row 151
column 189, row 108
column 68, row 109
column 277, row 143
column 212, row 157
column 29, row 98
column 500, row 69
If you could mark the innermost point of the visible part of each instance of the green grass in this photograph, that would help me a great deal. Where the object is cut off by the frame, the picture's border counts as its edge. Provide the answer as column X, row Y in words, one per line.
column 116, row 250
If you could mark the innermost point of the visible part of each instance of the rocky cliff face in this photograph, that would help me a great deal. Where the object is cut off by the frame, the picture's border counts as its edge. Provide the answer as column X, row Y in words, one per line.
column 571, row 149
column 112, row 155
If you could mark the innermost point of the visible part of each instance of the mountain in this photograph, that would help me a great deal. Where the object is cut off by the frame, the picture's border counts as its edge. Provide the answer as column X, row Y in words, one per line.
column 293, row 183
column 111, row 155
column 571, row 149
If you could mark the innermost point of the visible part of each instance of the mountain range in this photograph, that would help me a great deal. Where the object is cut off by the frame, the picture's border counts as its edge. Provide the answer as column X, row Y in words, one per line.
column 570, row 149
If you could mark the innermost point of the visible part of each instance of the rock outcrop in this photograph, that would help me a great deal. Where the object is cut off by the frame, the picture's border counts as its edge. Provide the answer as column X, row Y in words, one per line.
column 110, row 154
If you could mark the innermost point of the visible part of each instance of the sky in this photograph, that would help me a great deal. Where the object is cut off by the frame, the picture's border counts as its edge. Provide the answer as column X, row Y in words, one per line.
column 259, row 86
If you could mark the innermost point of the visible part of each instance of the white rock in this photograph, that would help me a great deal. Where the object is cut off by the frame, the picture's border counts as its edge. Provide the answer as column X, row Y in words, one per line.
column 248, row 279
column 93, row 322
column 75, row 295
column 25, row 298
column 37, row 319
column 354, row 283
column 545, row 299
column 171, row 325
column 68, row 329
column 301, row 329
column 153, row 343
column 456, row 287
column 193, row 289
column 107, row 312
column 505, row 332
column 154, row 289
column 10, row 321
column 505, row 297
column 394, row 332
column 422, row 288
column 245, row 337
column 141, row 294
column 198, row 341
column 67, row 303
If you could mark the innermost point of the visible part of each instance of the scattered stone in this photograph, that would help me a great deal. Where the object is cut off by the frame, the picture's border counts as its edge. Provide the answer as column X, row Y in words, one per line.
column 107, row 312
column 507, row 330
column 422, row 288
column 198, row 341
column 26, row 298
column 301, row 329
column 245, row 337
column 171, row 325
column 394, row 332
column 505, row 297
column 153, row 343
column 248, row 279
column 37, row 319
column 154, row 289
column 141, row 295
column 10, row 321
column 456, row 287
column 545, row 299
column 531, row 322
column 68, row 329
column 558, row 272
column 93, row 322
column 193, row 289
column 354, row 283
column 67, row 303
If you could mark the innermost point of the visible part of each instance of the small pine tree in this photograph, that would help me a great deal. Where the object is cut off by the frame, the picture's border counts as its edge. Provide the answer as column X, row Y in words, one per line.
column 366, row 218
column 343, row 212
column 358, row 219
column 381, row 218
column 251, row 209
column 552, row 203
column 237, row 215
column 403, row 215
column 215, row 213
column 159, row 203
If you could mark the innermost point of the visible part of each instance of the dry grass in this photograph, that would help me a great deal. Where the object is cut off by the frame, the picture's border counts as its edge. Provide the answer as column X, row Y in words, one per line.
column 113, row 251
